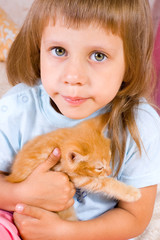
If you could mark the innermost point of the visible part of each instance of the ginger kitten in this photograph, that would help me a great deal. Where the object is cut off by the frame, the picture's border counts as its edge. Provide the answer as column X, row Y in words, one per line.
column 85, row 158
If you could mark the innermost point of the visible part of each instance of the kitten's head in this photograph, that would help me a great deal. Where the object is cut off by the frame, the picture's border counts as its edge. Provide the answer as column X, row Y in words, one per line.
column 87, row 159
column 87, row 152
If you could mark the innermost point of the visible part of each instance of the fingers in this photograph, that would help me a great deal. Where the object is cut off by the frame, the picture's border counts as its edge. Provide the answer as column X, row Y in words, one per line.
column 73, row 190
column 34, row 212
column 69, row 191
column 70, row 203
column 50, row 161
column 27, row 210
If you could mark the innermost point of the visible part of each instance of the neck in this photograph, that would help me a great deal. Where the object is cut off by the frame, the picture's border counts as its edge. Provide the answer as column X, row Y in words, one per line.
column 54, row 106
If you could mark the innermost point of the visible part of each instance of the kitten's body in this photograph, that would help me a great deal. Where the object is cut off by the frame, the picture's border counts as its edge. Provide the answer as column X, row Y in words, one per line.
column 85, row 158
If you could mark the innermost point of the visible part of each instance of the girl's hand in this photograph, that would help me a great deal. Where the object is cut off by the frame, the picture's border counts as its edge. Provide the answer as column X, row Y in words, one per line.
column 36, row 223
column 47, row 189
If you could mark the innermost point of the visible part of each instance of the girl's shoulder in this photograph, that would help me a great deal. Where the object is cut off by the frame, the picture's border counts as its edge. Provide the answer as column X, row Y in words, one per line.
column 20, row 98
column 16, row 90
column 142, row 169
column 147, row 119
column 20, row 89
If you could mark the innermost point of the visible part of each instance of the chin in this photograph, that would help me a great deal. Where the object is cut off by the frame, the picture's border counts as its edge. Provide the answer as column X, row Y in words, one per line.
column 75, row 115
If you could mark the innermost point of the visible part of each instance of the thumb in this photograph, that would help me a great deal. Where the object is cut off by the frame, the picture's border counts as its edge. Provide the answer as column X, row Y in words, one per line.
column 52, row 159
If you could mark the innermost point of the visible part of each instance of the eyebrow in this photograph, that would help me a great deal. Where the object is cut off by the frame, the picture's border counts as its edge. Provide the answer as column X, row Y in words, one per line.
column 52, row 42
column 99, row 47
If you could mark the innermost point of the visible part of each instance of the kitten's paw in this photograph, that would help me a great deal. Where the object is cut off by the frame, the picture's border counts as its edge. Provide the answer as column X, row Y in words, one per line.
column 132, row 194
column 68, row 214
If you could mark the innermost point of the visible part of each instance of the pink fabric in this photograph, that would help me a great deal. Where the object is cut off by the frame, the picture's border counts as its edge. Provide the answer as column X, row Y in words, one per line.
column 157, row 64
column 8, row 230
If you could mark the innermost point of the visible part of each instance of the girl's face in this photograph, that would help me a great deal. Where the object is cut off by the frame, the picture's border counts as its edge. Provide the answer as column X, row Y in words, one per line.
column 81, row 69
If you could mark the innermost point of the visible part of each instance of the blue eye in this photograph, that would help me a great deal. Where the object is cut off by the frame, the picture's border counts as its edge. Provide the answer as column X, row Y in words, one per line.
column 58, row 51
column 98, row 56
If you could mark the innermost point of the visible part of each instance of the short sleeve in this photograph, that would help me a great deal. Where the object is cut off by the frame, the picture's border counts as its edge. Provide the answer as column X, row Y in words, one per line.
column 141, row 170
column 9, row 134
column 7, row 152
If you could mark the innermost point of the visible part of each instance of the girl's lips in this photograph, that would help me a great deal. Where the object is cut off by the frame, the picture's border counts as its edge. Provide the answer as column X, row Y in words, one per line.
column 74, row 100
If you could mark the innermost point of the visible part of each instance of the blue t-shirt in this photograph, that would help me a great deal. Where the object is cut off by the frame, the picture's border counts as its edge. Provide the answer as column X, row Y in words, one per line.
column 25, row 112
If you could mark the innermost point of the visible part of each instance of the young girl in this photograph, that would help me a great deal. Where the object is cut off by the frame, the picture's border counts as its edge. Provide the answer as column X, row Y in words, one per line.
column 75, row 59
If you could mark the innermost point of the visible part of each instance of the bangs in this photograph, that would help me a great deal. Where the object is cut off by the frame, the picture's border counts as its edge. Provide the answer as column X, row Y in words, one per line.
column 80, row 12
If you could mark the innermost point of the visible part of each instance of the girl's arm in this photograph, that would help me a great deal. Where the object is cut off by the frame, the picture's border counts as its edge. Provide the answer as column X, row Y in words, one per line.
column 43, row 188
column 126, row 221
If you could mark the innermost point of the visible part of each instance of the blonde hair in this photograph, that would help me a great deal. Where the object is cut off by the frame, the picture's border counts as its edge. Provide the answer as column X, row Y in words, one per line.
column 130, row 19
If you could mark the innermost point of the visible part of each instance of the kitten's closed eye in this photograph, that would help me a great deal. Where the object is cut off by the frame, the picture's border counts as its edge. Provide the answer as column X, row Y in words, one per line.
column 99, row 166
column 99, row 169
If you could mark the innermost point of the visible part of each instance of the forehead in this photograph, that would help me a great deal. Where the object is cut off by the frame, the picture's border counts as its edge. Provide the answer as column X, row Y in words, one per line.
column 94, row 32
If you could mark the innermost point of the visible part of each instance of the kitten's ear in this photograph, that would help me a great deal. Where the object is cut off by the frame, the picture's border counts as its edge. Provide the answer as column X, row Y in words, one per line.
column 74, row 157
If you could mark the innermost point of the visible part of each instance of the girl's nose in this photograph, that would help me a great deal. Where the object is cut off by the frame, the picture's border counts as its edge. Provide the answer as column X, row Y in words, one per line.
column 73, row 79
column 75, row 74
